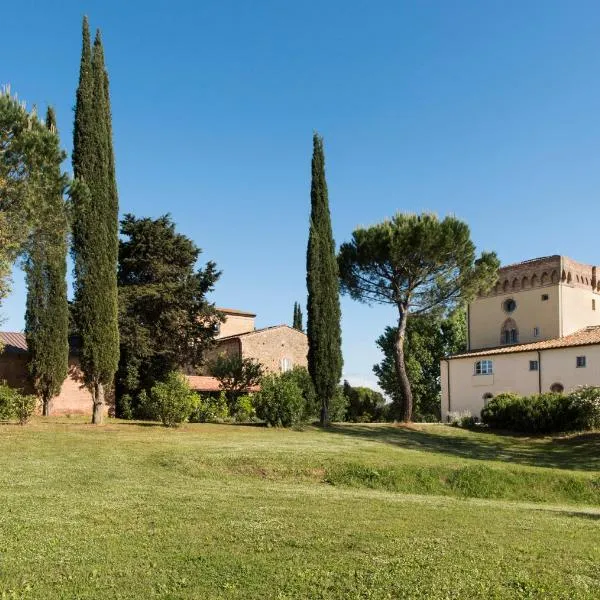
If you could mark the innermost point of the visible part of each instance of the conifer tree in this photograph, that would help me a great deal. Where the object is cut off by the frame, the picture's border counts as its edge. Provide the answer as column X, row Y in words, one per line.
column 95, row 226
column 47, row 315
column 297, row 322
column 323, row 307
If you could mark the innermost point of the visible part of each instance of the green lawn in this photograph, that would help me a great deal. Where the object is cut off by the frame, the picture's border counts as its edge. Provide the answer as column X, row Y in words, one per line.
column 361, row 511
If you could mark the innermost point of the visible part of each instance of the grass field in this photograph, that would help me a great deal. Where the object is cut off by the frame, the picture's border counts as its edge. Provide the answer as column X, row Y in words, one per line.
column 361, row 511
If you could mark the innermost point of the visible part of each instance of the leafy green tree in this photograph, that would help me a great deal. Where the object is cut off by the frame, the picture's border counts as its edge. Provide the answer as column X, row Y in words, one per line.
column 297, row 322
column 280, row 402
column 323, row 307
column 166, row 323
column 47, row 316
column 429, row 337
column 171, row 401
column 29, row 152
column 236, row 375
column 364, row 404
column 95, row 226
column 416, row 263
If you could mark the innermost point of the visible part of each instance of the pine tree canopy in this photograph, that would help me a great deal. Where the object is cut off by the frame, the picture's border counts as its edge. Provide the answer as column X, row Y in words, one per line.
column 417, row 263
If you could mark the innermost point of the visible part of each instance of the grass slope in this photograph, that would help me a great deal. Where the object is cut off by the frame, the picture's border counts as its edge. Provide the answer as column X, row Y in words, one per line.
column 361, row 511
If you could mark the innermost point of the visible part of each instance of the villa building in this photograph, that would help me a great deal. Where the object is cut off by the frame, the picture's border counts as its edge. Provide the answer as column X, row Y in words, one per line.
column 278, row 349
column 536, row 330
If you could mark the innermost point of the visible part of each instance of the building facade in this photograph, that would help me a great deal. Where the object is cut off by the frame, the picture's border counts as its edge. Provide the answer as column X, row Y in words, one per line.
column 536, row 330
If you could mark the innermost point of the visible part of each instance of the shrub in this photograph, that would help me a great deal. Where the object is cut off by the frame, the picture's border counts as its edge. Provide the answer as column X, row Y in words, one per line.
column 210, row 409
column 6, row 402
column 338, row 406
column 244, row 409
column 16, row 405
column 301, row 377
column 545, row 413
column 171, row 401
column 462, row 419
column 280, row 402
column 24, row 406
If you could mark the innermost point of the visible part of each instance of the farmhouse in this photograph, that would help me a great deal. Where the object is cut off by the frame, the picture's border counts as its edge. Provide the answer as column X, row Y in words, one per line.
column 536, row 330
column 277, row 348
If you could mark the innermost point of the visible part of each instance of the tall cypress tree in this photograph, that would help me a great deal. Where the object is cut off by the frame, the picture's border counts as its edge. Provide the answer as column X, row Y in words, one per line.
column 47, row 315
column 297, row 322
column 95, row 226
column 322, row 281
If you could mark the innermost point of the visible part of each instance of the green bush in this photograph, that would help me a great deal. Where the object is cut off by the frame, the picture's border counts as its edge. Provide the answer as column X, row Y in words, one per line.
column 463, row 419
column 16, row 405
column 6, row 402
column 545, row 413
column 301, row 377
column 212, row 409
column 244, row 409
column 170, row 401
column 280, row 402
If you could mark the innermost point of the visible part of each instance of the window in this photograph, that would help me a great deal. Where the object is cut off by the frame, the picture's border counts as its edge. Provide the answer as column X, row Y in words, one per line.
column 483, row 367
column 593, row 304
column 509, row 334
column 580, row 362
column 487, row 397
column 285, row 364
column 509, row 305
column 536, row 332
column 534, row 365
column 557, row 388
column 544, row 297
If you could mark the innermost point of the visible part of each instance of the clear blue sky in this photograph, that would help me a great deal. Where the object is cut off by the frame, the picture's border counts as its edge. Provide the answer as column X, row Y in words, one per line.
column 489, row 110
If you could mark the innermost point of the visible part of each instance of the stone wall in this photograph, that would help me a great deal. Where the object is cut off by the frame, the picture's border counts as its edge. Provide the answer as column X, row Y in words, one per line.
column 270, row 346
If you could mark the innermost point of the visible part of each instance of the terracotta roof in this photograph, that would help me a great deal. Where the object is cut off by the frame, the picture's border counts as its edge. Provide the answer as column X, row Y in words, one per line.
column 584, row 337
column 13, row 341
column 263, row 329
column 205, row 383
column 234, row 311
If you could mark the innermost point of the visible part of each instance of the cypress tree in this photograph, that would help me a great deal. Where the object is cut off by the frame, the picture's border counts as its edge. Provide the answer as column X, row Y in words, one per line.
column 47, row 315
column 297, row 322
column 95, row 226
column 322, row 281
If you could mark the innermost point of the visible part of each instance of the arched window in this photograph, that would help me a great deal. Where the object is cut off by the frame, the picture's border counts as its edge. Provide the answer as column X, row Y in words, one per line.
column 557, row 388
column 505, row 285
column 544, row 279
column 509, row 334
column 534, row 280
column 515, row 284
column 487, row 397
column 554, row 277
column 524, row 283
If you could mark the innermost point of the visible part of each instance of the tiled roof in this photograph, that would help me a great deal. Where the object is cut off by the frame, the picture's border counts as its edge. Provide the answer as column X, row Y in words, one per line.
column 235, row 311
column 13, row 341
column 583, row 337
column 204, row 383
column 530, row 260
column 263, row 329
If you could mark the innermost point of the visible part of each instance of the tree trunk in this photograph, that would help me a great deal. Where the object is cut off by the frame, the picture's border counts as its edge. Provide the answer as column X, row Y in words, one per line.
column 401, row 369
column 98, row 398
column 324, row 415
column 46, row 407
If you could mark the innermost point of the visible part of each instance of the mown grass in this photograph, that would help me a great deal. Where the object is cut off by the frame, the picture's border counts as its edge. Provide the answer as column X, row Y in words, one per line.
column 360, row 511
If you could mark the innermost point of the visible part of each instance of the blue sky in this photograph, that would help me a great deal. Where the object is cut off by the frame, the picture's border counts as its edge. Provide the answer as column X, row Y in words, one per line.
column 487, row 110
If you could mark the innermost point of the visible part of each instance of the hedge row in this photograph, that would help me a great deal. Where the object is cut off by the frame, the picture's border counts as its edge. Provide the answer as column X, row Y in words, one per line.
column 545, row 413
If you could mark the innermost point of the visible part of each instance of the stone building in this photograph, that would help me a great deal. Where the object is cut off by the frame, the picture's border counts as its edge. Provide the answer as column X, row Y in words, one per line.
column 278, row 348
column 74, row 398
column 536, row 330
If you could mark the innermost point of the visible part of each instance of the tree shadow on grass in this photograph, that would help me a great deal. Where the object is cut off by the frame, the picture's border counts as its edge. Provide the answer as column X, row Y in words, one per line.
column 578, row 452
